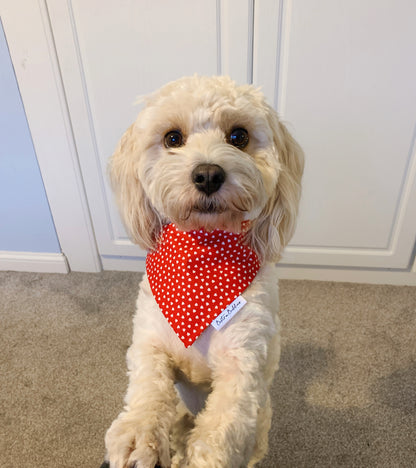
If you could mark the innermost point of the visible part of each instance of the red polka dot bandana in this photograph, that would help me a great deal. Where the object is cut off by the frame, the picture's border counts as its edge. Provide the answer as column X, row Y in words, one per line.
column 195, row 275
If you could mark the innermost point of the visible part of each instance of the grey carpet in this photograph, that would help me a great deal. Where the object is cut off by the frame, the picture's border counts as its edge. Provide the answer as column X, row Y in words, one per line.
column 345, row 394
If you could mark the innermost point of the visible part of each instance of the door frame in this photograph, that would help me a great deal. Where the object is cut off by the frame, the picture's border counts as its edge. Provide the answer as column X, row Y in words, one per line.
column 34, row 60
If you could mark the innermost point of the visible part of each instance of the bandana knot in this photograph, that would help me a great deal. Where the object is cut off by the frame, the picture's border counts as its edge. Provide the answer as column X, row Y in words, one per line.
column 195, row 275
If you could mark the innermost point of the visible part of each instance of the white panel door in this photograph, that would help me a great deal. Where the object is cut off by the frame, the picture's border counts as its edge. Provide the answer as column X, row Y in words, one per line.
column 113, row 51
column 343, row 74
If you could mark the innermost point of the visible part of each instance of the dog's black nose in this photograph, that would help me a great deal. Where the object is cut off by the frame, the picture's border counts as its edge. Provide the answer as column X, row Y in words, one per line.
column 208, row 178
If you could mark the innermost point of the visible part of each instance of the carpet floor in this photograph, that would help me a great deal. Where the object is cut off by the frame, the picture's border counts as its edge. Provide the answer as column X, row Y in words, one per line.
column 345, row 394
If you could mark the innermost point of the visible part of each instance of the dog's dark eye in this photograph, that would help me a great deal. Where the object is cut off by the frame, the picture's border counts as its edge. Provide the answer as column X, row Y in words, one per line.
column 238, row 138
column 173, row 139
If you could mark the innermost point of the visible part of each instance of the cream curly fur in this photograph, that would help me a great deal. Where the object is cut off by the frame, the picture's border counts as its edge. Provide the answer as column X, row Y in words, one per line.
column 236, row 364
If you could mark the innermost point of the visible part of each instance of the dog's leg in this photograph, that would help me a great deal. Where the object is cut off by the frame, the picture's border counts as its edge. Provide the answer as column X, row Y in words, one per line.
column 225, row 431
column 242, row 358
column 264, row 417
column 264, row 421
column 139, row 437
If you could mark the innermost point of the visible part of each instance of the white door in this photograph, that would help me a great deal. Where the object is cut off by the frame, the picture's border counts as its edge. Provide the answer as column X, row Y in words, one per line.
column 343, row 74
column 110, row 53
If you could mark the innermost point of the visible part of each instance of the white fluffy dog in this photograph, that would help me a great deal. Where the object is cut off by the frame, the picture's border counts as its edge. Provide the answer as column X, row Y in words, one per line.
column 204, row 158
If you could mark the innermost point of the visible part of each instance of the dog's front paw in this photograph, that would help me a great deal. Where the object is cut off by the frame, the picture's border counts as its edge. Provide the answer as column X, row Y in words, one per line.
column 129, row 445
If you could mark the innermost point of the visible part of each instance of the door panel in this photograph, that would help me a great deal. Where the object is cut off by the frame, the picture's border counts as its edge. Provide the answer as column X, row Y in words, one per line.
column 345, row 81
column 112, row 52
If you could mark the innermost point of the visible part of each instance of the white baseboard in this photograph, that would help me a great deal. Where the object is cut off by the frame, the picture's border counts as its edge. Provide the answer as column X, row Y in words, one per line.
column 123, row 263
column 33, row 262
column 399, row 278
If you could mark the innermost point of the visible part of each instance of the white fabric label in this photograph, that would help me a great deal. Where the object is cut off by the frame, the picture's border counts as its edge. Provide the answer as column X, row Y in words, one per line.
column 228, row 313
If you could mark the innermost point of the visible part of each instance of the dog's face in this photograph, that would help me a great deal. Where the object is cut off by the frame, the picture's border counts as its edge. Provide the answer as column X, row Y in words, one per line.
column 206, row 153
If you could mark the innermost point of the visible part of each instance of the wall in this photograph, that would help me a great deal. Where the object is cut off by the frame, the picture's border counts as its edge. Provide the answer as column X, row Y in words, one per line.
column 26, row 224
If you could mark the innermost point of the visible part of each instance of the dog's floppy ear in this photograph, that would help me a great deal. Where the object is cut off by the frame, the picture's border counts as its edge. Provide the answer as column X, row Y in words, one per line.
column 140, row 218
column 276, row 224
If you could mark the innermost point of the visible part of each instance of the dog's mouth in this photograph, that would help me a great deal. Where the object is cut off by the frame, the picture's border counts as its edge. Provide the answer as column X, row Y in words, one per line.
column 214, row 206
column 211, row 212
column 209, row 206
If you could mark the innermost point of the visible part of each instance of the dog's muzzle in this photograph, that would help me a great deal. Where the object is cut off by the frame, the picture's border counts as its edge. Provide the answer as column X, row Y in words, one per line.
column 208, row 178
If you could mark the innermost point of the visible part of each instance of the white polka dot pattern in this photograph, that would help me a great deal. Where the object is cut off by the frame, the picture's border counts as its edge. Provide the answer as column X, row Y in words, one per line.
column 195, row 275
